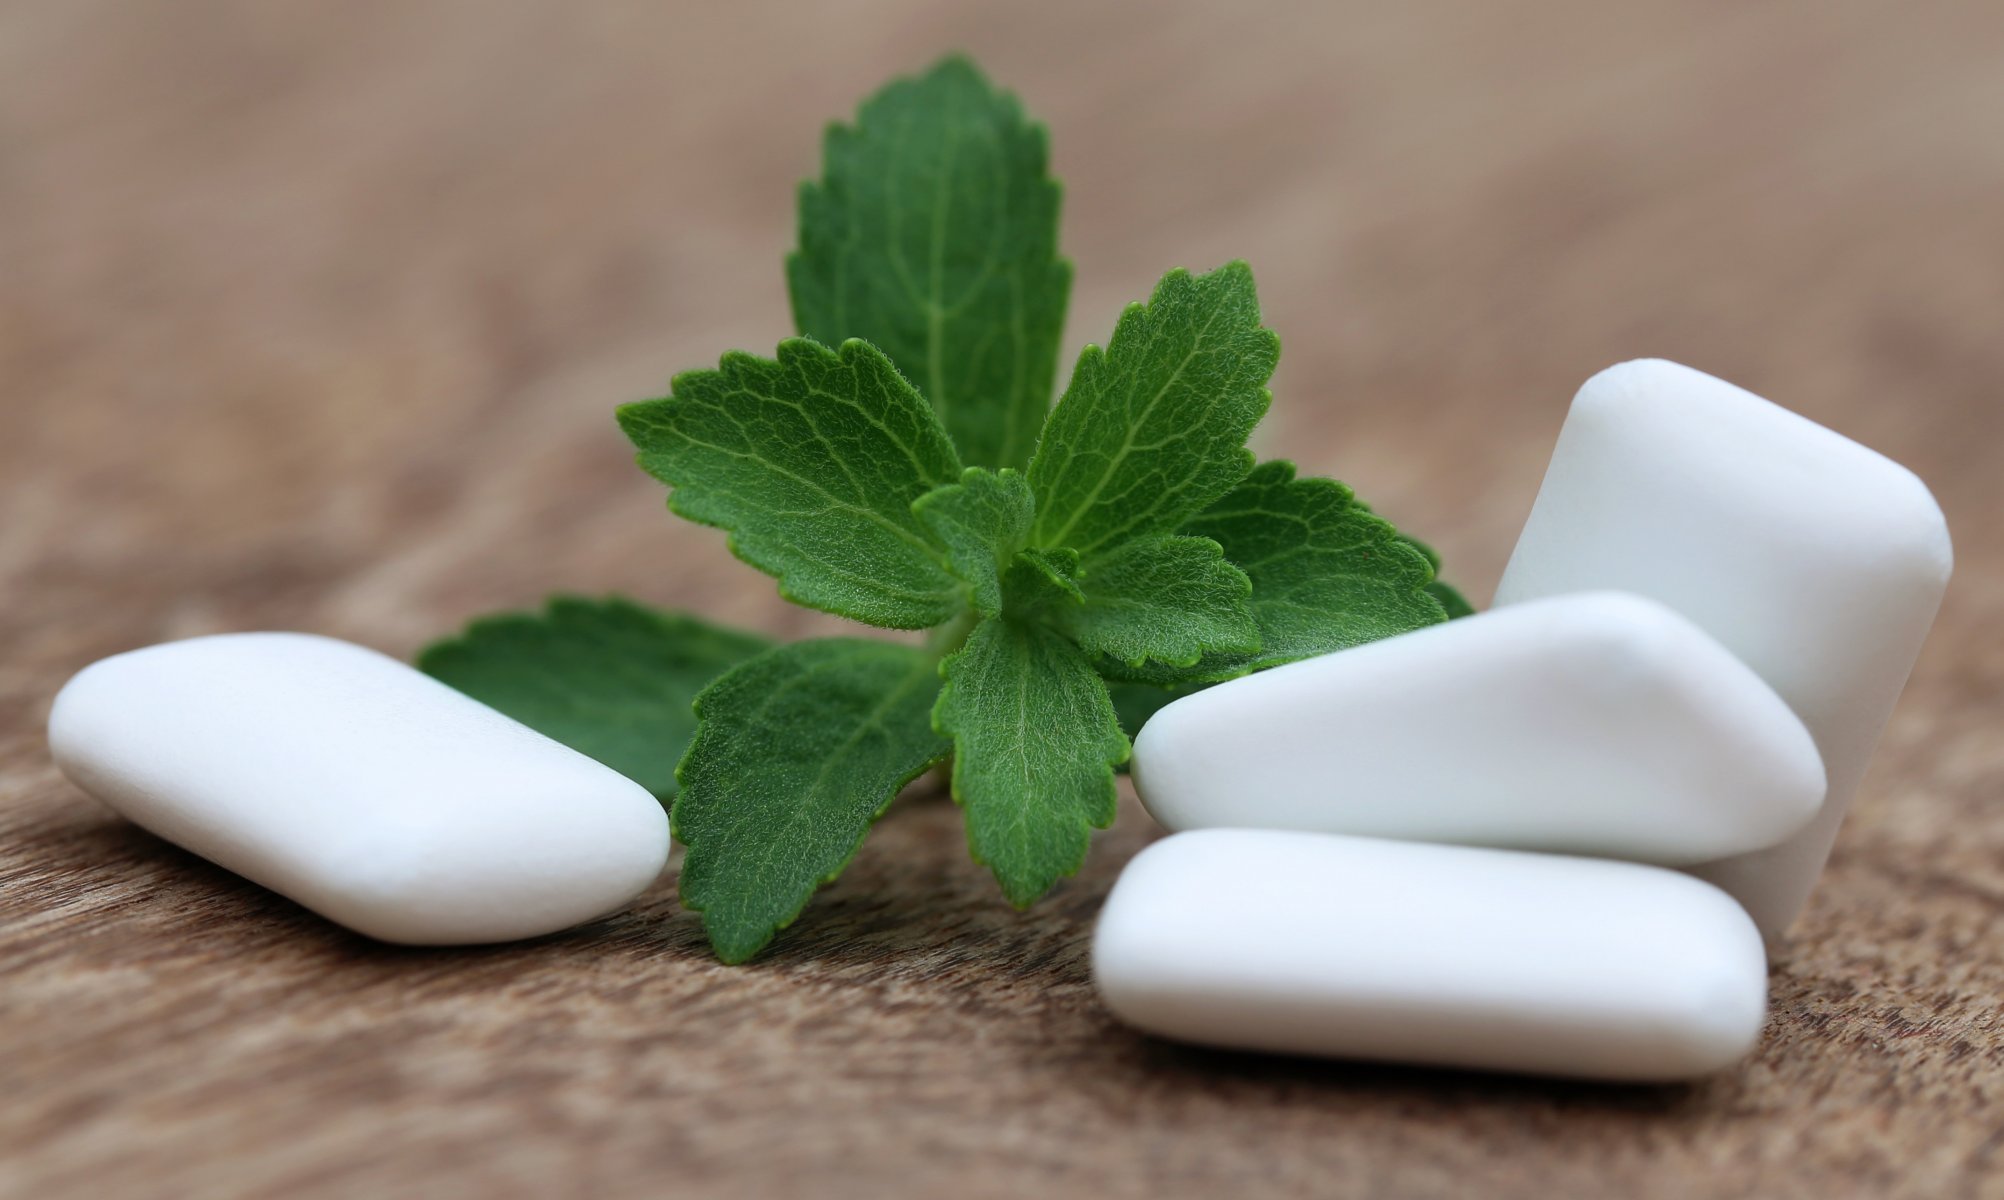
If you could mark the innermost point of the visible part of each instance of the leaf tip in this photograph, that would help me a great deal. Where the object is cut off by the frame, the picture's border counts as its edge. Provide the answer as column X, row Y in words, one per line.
column 956, row 63
column 735, row 951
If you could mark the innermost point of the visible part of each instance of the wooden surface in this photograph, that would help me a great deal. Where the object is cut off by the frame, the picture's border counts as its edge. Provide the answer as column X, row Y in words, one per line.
column 312, row 317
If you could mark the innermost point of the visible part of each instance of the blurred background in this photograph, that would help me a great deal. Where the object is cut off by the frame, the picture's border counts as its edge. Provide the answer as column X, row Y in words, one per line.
column 337, row 299
column 314, row 316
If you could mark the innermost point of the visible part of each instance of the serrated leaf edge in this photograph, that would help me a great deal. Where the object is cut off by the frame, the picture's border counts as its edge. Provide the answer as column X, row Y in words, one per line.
column 733, row 957
column 843, row 354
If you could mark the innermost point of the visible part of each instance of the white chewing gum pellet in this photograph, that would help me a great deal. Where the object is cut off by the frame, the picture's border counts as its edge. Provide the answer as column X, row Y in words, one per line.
column 1818, row 562
column 1450, row 956
column 359, row 787
column 1599, row 723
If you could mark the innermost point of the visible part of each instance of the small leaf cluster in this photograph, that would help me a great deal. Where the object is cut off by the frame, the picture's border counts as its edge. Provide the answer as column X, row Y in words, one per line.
column 901, row 464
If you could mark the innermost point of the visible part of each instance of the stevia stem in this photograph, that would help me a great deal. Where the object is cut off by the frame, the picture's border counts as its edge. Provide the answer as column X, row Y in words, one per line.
column 950, row 637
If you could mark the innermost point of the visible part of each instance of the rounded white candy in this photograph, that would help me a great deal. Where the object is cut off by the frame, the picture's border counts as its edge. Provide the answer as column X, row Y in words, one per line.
column 359, row 787
column 1444, row 955
column 1599, row 723
column 1816, row 561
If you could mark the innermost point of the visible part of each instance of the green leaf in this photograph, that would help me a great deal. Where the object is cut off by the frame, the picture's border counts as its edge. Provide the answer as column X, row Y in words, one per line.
column 1451, row 600
column 933, row 234
column 812, row 462
column 1450, row 597
column 982, row 521
column 1168, row 598
column 1035, row 741
column 1038, row 583
column 1327, row 573
column 1154, row 428
column 1136, row 702
column 608, row 678
column 797, row 751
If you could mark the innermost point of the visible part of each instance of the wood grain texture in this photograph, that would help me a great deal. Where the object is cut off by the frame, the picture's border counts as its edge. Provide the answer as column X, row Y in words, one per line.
column 312, row 317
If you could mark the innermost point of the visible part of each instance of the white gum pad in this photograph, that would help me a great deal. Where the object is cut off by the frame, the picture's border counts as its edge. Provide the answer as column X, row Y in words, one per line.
column 1452, row 956
column 1598, row 723
column 358, row 787
column 1818, row 562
